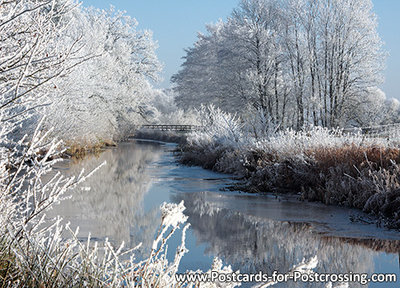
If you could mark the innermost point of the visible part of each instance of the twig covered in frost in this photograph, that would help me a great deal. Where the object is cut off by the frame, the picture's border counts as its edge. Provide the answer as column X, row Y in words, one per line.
column 305, row 267
column 340, row 285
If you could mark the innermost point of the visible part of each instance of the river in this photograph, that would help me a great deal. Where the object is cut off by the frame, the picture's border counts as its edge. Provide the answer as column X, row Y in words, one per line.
column 250, row 232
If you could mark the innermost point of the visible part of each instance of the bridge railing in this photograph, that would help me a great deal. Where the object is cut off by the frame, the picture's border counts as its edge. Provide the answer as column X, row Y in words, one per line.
column 171, row 127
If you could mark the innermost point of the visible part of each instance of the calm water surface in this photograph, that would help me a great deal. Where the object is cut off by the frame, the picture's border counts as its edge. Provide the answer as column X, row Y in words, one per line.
column 250, row 232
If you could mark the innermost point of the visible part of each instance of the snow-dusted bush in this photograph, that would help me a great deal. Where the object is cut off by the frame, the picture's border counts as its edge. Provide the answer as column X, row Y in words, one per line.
column 221, row 133
column 220, row 128
column 31, row 248
column 258, row 125
column 385, row 201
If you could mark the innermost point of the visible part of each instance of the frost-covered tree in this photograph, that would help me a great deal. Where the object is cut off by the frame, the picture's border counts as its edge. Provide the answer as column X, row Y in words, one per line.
column 298, row 61
column 31, row 57
column 88, row 70
column 238, row 62
column 102, row 98
column 205, row 77
column 349, row 59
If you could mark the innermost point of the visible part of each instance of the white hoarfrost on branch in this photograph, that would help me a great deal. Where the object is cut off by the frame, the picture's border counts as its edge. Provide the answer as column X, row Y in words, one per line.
column 102, row 99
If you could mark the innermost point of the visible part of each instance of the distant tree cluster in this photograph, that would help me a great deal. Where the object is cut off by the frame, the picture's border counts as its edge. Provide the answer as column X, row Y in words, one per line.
column 88, row 70
column 297, row 61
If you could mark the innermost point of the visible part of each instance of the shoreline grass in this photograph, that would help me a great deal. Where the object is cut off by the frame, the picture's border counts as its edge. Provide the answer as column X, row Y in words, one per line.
column 80, row 150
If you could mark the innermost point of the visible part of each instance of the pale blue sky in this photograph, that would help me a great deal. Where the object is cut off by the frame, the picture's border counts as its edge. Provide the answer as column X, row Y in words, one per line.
column 175, row 24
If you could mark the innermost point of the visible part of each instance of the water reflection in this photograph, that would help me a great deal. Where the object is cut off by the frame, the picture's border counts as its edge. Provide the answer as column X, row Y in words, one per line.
column 113, row 206
column 253, row 244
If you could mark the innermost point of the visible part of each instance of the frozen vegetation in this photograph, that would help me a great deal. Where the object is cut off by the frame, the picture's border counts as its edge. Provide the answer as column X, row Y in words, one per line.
column 321, row 164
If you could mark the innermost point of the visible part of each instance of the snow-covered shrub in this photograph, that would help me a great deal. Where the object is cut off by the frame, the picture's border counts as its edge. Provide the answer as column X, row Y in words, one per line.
column 221, row 133
column 220, row 128
column 385, row 201
column 258, row 125
column 32, row 248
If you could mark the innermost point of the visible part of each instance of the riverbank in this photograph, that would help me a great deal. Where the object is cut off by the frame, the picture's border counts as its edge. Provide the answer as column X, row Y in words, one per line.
column 80, row 150
column 317, row 164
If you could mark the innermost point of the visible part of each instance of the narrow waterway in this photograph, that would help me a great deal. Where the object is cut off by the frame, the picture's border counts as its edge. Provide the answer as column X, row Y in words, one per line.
column 250, row 232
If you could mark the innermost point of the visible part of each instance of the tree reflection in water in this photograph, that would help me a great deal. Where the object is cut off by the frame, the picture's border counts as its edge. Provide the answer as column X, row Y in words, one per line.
column 113, row 207
column 253, row 244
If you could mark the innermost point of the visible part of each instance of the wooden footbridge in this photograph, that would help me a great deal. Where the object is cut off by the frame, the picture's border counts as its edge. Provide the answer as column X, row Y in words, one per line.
column 162, row 127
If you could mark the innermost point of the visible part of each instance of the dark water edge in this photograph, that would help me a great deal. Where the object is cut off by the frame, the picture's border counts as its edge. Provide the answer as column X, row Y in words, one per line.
column 250, row 232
